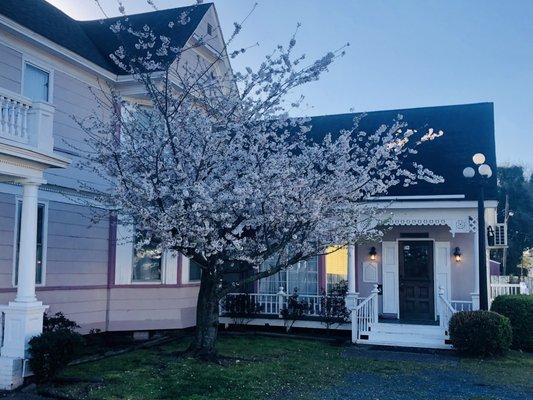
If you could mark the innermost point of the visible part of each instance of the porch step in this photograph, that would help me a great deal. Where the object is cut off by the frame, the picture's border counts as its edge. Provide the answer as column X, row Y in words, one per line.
column 406, row 335
column 402, row 329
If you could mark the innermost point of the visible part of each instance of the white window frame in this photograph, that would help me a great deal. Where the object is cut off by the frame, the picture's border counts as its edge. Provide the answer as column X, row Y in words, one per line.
column 124, row 255
column 34, row 62
column 18, row 203
column 186, row 272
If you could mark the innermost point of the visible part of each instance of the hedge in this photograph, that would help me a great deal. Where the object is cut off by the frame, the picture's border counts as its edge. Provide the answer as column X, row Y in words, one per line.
column 480, row 333
column 519, row 310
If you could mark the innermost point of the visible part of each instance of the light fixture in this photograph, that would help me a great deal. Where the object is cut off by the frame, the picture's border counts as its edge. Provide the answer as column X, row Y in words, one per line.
column 372, row 253
column 469, row 172
column 478, row 158
column 457, row 254
column 485, row 170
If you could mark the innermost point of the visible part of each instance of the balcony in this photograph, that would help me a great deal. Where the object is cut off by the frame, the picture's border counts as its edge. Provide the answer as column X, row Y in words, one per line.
column 26, row 123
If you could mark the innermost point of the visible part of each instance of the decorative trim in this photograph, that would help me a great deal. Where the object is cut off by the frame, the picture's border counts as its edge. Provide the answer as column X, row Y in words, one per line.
column 458, row 221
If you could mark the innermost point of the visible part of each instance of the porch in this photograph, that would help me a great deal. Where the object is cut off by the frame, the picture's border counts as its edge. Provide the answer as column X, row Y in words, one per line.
column 26, row 152
column 401, row 291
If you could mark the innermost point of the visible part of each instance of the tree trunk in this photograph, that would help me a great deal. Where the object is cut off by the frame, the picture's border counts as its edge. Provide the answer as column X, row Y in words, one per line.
column 203, row 345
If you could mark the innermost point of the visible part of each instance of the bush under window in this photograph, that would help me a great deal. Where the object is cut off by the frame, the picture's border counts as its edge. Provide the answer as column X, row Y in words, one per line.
column 55, row 348
column 480, row 333
column 519, row 310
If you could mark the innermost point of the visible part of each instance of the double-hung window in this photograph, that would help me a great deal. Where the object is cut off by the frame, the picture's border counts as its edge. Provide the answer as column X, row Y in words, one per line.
column 36, row 85
column 41, row 242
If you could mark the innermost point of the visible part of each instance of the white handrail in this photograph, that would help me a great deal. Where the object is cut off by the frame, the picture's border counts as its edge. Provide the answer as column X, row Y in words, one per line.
column 446, row 310
column 365, row 314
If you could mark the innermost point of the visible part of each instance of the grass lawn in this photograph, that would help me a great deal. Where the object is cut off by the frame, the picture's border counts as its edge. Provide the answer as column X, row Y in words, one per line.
column 259, row 368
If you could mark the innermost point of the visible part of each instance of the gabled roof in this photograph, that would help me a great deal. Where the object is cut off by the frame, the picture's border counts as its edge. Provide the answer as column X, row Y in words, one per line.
column 468, row 129
column 94, row 40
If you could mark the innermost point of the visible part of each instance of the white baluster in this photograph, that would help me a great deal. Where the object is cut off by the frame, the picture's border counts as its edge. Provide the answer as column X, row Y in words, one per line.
column 3, row 115
column 11, row 117
column 24, row 126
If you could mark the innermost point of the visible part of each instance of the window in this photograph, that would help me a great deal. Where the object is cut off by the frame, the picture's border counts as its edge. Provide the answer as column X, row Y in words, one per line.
column 209, row 30
column 195, row 271
column 147, row 262
column 36, row 83
column 302, row 276
column 336, row 266
column 39, row 270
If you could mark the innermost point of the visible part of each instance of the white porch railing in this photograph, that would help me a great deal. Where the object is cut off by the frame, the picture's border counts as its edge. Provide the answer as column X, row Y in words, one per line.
column 26, row 122
column 365, row 313
column 502, row 289
column 460, row 305
column 273, row 304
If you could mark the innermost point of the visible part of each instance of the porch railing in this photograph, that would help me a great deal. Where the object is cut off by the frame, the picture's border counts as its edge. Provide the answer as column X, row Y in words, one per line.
column 365, row 314
column 460, row 305
column 502, row 289
column 272, row 304
column 25, row 121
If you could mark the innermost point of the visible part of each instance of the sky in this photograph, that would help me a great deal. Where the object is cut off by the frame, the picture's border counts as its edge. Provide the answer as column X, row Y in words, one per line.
column 402, row 53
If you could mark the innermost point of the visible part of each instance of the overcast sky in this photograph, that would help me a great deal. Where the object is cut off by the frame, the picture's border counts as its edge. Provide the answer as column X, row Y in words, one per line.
column 403, row 53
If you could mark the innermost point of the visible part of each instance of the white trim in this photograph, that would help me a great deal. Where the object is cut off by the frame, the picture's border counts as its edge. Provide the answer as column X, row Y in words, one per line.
column 421, row 197
column 18, row 200
column 390, row 278
column 43, row 66
column 185, row 271
column 442, row 273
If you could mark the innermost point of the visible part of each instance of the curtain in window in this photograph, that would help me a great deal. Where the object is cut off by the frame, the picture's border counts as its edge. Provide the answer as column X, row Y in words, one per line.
column 36, row 83
column 303, row 277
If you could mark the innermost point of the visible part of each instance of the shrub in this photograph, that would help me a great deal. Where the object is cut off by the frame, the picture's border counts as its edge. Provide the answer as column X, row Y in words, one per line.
column 480, row 333
column 241, row 308
column 58, row 321
column 51, row 351
column 519, row 310
column 333, row 305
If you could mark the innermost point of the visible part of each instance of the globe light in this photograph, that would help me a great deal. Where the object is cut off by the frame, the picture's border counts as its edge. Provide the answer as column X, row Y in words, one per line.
column 469, row 172
column 485, row 170
column 479, row 158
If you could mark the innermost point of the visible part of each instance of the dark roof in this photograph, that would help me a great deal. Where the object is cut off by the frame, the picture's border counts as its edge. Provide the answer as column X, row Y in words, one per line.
column 94, row 40
column 468, row 129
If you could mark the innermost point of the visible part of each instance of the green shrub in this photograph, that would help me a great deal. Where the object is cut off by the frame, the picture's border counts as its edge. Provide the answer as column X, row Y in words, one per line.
column 58, row 321
column 519, row 310
column 51, row 351
column 480, row 333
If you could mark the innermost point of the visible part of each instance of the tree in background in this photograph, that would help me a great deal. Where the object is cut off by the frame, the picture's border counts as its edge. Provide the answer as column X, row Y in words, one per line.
column 513, row 183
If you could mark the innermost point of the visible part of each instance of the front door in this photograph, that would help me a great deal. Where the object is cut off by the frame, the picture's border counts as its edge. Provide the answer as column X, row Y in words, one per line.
column 416, row 280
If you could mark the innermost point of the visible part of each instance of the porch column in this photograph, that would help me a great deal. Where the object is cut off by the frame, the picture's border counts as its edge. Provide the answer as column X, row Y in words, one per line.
column 23, row 318
column 28, row 244
column 351, row 296
column 351, row 269
column 475, row 258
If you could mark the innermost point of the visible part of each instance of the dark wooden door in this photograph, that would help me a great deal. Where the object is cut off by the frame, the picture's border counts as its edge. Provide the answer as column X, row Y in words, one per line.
column 416, row 280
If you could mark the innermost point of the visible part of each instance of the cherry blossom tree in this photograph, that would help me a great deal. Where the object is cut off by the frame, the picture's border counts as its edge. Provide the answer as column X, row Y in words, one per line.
column 212, row 166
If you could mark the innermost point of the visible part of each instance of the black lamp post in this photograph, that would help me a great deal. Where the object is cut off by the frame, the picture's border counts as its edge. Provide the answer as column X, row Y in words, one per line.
column 484, row 172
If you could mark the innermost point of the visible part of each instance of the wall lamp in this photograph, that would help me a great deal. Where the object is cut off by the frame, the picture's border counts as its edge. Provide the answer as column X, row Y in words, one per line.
column 372, row 253
column 457, row 254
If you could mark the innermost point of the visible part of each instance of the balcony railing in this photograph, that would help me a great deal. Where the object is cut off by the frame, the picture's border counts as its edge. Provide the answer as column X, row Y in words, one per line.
column 25, row 121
